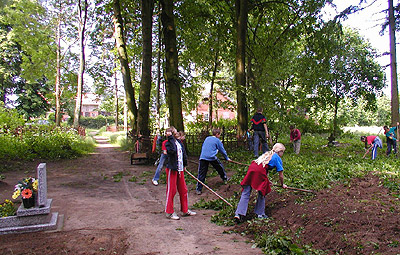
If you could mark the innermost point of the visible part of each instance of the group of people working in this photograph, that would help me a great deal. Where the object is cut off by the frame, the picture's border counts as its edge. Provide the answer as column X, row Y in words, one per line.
column 373, row 142
column 174, row 154
column 261, row 135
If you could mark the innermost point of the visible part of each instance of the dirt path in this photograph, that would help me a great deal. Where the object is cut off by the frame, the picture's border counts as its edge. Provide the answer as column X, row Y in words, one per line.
column 102, row 216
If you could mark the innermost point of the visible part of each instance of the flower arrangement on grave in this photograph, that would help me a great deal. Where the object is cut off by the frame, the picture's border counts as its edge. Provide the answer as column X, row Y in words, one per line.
column 25, row 188
column 7, row 209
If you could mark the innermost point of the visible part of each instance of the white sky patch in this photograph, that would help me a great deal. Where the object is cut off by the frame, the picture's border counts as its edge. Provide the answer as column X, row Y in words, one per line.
column 368, row 23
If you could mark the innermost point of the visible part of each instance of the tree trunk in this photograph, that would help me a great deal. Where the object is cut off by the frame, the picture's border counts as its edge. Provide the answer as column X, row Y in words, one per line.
column 240, row 75
column 81, row 31
column 334, row 132
column 158, row 103
column 171, row 73
column 123, row 58
column 116, row 99
column 251, row 83
column 58, row 72
column 210, row 102
column 393, row 66
column 145, row 83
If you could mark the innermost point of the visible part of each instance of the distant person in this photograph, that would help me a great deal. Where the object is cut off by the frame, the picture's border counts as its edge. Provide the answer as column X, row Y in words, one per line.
column 375, row 143
column 295, row 138
column 391, row 139
column 163, row 156
column 176, row 165
column 259, row 126
column 249, row 139
column 257, row 178
column 211, row 146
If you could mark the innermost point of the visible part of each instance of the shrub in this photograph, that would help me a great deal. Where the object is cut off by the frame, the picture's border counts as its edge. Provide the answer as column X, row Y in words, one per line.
column 55, row 143
column 47, row 142
column 7, row 209
column 9, row 119
column 96, row 122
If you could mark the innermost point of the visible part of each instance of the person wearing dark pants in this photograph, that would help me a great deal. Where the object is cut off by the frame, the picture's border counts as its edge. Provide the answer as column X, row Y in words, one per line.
column 391, row 139
column 211, row 146
column 260, row 128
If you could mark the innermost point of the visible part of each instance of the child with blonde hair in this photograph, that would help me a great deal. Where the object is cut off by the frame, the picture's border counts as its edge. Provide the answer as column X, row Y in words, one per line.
column 257, row 178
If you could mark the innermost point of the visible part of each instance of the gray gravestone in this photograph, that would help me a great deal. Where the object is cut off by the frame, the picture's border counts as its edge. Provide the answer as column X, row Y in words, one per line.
column 33, row 219
column 42, row 185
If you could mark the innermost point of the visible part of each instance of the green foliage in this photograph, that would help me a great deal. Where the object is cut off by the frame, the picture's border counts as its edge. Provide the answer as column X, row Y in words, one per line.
column 355, row 114
column 317, row 167
column 7, row 209
column 54, row 143
column 32, row 31
column 9, row 119
column 31, row 102
column 201, row 125
column 44, row 141
column 280, row 243
column 118, row 177
column 97, row 122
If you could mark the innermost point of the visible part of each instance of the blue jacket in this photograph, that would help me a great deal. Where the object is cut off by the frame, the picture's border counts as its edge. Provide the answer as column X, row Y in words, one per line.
column 210, row 149
column 391, row 134
column 172, row 162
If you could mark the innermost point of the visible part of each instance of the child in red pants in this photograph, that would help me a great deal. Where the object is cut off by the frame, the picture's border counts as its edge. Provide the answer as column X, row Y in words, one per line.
column 176, row 164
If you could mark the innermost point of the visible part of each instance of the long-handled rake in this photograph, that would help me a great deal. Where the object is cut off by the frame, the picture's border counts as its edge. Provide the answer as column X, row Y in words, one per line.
column 215, row 193
column 290, row 188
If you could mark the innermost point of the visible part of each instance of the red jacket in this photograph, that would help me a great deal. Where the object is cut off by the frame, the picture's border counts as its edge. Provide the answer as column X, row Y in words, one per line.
column 295, row 135
column 257, row 178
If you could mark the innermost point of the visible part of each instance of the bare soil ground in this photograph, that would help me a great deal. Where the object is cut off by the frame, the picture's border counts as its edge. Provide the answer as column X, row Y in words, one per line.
column 101, row 216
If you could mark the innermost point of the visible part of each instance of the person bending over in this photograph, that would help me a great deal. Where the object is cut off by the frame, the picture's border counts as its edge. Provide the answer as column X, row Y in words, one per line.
column 257, row 178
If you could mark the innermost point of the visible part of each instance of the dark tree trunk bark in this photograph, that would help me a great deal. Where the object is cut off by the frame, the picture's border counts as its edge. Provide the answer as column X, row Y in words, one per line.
column 171, row 73
column 241, row 25
column 145, row 83
column 210, row 102
column 159, row 73
column 393, row 66
column 123, row 58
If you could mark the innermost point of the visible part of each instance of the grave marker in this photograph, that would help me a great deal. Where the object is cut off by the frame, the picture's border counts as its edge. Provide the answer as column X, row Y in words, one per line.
column 42, row 185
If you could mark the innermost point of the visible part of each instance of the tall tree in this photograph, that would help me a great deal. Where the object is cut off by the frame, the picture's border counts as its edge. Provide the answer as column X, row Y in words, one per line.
column 346, row 67
column 158, row 82
column 240, row 75
column 145, row 84
column 58, row 67
column 82, row 19
column 171, row 73
column 393, row 66
column 211, row 94
column 124, row 61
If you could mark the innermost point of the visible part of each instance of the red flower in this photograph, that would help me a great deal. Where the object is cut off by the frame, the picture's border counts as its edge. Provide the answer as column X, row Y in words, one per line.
column 26, row 193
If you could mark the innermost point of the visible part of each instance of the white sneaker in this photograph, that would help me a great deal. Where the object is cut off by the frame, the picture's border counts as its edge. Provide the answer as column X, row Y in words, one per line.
column 172, row 216
column 189, row 213
column 155, row 183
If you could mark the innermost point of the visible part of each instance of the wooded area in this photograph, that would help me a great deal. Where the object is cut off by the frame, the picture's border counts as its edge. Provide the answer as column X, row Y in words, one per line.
column 282, row 56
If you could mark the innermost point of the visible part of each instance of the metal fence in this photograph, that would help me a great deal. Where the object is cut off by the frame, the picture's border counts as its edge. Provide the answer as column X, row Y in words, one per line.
column 229, row 139
column 193, row 141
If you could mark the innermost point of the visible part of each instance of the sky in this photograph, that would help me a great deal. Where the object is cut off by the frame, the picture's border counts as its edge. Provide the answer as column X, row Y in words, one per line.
column 368, row 23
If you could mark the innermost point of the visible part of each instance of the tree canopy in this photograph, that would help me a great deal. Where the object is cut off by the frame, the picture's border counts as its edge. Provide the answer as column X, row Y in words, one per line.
column 294, row 64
